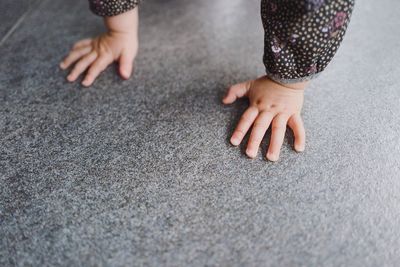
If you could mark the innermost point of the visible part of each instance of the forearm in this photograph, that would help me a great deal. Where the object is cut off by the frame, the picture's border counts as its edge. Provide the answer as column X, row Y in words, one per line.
column 302, row 36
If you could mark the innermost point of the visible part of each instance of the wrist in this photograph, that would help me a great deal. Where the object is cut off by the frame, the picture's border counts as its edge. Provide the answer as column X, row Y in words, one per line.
column 126, row 22
column 295, row 86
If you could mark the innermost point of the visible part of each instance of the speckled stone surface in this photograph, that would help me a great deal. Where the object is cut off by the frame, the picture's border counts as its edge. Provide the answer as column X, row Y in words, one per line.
column 140, row 172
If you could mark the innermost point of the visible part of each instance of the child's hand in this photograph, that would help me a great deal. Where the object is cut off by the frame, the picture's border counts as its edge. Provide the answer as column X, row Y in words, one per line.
column 120, row 44
column 273, row 104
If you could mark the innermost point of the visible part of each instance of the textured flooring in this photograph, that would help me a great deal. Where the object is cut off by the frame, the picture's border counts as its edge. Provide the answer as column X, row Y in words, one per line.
column 12, row 13
column 140, row 172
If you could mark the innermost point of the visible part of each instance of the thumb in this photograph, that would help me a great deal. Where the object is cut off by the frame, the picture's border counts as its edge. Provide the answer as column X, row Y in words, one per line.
column 126, row 65
column 236, row 91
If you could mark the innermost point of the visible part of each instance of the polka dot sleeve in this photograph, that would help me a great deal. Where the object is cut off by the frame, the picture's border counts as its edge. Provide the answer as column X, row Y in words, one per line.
column 302, row 36
column 108, row 8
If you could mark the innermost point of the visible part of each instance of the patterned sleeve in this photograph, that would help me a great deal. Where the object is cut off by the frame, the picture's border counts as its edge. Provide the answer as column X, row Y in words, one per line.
column 108, row 8
column 302, row 36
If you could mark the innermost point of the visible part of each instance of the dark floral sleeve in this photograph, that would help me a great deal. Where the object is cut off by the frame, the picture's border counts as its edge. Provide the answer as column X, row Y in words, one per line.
column 108, row 8
column 302, row 36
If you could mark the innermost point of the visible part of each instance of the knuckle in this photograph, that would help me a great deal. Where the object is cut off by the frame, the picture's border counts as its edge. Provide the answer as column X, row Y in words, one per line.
column 80, row 65
column 279, row 124
column 251, row 146
column 246, row 117
column 265, row 107
column 98, row 68
column 77, row 45
column 91, row 73
column 103, row 50
column 69, row 57
column 278, row 127
column 258, row 124
column 253, row 108
column 75, row 53
column 103, row 60
column 282, row 117
column 239, row 132
column 231, row 90
column 93, row 70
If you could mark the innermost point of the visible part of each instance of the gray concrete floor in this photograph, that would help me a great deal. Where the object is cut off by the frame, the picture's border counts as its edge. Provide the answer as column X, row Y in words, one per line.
column 140, row 172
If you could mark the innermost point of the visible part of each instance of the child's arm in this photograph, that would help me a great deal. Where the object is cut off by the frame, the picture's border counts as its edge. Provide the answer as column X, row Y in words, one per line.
column 119, row 43
column 301, row 38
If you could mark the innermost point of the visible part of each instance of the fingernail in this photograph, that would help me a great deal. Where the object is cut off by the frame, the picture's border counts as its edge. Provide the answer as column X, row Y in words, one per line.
column 272, row 157
column 251, row 154
column 299, row 147
column 125, row 74
column 235, row 141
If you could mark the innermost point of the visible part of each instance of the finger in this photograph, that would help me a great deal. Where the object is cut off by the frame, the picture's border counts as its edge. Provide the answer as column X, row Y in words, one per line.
column 244, row 125
column 260, row 126
column 277, row 137
column 126, row 65
column 74, row 55
column 297, row 126
column 82, row 43
column 81, row 66
column 236, row 91
column 96, row 68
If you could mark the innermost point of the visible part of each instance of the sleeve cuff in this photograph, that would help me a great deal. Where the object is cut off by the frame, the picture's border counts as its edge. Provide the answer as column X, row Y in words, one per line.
column 277, row 78
column 109, row 8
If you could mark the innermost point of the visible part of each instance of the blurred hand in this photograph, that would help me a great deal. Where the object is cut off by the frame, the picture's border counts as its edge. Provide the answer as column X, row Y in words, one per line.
column 93, row 55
